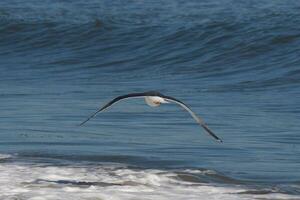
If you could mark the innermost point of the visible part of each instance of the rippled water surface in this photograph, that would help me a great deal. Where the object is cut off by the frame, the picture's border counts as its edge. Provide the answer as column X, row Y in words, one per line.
column 235, row 63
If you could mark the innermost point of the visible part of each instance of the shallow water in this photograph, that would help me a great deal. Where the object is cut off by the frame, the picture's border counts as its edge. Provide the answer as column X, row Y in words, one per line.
column 235, row 63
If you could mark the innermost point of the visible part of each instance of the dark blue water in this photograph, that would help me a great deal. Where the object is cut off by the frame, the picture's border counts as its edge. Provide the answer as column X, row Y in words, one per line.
column 235, row 63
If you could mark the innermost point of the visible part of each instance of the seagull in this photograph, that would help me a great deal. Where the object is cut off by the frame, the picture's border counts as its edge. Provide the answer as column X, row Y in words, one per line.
column 154, row 99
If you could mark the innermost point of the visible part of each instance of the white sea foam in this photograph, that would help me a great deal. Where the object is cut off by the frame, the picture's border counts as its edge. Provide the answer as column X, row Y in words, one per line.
column 4, row 156
column 38, row 182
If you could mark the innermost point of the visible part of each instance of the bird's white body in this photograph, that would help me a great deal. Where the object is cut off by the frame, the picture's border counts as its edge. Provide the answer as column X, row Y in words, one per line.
column 154, row 101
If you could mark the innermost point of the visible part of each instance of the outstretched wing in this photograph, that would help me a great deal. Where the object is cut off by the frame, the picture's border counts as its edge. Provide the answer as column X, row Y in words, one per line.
column 115, row 100
column 198, row 119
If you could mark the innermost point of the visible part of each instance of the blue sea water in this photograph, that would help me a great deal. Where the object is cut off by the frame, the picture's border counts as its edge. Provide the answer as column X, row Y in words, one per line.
column 235, row 63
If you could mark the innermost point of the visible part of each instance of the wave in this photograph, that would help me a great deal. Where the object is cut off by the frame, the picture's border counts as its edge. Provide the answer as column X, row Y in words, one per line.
column 5, row 156
column 118, row 181
column 245, row 49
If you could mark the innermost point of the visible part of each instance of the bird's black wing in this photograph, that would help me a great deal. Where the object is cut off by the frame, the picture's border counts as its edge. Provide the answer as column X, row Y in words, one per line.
column 198, row 119
column 115, row 100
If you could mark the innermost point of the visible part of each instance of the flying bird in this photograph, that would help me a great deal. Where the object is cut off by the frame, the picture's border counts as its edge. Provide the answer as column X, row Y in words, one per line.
column 154, row 99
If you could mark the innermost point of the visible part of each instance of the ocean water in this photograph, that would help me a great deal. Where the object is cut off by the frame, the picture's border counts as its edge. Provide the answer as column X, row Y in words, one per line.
column 235, row 63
